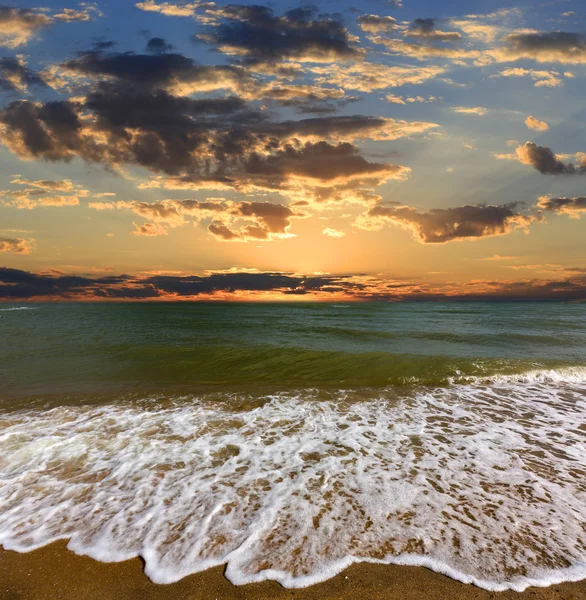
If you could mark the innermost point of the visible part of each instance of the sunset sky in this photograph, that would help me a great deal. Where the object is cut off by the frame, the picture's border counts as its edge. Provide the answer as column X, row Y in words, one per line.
column 333, row 151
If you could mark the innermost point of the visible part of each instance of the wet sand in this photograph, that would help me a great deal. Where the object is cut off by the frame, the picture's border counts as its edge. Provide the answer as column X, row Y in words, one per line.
column 55, row 573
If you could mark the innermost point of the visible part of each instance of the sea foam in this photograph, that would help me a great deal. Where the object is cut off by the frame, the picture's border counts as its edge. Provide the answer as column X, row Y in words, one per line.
column 484, row 483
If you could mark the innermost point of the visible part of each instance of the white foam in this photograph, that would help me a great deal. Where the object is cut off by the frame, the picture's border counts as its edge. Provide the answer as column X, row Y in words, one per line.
column 559, row 375
column 17, row 308
column 486, row 484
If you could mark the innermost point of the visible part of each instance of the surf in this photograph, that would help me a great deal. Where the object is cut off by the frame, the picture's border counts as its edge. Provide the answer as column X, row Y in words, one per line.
column 482, row 481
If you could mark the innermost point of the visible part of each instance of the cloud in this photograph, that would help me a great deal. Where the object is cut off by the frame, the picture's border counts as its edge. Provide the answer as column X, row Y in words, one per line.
column 149, row 229
column 162, row 135
column 376, row 24
column 158, row 45
column 168, row 212
column 255, row 34
column 231, row 221
column 368, row 76
column 544, row 47
column 426, row 51
column 536, row 124
column 15, row 283
column 41, row 193
column 15, row 76
column 224, row 233
column 441, row 225
column 173, row 72
column 204, row 142
column 541, row 78
column 25, row 201
column 250, row 284
column 58, row 185
column 304, row 98
column 321, row 162
column 169, row 9
column 470, row 110
column 16, row 245
column 19, row 25
column 270, row 222
column 478, row 29
column 410, row 99
column 69, row 15
column 132, row 111
column 546, row 162
column 498, row 257
column 331, row 232
column 426, row 29
column 574, row 207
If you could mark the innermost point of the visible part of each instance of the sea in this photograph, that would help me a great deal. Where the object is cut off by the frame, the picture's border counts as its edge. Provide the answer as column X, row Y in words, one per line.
column 290, row 440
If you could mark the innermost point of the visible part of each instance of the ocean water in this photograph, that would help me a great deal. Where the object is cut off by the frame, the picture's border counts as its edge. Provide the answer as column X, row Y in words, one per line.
column 289, row 440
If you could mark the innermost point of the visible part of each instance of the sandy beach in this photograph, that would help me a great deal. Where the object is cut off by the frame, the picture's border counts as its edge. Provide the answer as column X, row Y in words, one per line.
column 54, row 572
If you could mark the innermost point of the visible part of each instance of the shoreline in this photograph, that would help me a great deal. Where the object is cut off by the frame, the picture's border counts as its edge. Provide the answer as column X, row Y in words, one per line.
column 55, row 572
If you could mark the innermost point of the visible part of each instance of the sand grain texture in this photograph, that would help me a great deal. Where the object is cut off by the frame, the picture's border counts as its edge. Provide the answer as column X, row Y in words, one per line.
column 53, row 572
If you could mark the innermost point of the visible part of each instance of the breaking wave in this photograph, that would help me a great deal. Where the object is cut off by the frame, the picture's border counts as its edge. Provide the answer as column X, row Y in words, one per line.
column 483, row 481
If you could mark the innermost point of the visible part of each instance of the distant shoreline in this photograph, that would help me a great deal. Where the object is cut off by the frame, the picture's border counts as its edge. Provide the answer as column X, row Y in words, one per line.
column 54, row 572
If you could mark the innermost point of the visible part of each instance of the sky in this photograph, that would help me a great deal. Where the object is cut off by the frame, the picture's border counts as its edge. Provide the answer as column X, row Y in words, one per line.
column 381, row 150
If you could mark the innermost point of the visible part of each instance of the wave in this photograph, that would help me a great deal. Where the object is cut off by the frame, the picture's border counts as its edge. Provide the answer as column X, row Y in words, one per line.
column 18, row 308
column 490, row 339
column 484, row 483
column 575, row 374
column 299, row 367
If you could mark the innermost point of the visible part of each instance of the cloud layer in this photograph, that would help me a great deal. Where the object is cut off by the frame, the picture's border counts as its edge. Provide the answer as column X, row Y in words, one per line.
column 16, row 284
column 441, row 225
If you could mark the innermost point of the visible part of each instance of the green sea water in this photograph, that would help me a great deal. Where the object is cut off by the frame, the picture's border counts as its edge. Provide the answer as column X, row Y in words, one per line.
column 287, row 441
column 52, row 349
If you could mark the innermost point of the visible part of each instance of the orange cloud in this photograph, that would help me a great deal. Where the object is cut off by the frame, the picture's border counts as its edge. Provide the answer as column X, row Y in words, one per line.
column 16, row 245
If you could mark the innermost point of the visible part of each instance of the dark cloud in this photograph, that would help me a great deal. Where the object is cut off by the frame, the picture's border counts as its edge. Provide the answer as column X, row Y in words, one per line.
column 422, row 27
column 17, row 284
column 48, row 131
column 441, row 225
column 318, row 161
column 201, row 140
column 155, row 130
column 223, row 232
column 306, row 98
column 270, row 221
column 343, row 127
column 256, row 34
column 546, row 162
column 15, row 76
column 126, row 106
column 158, row 45
column 276, row 218
column 164, row 70
column 556, row 46
column 140, row 109
column 102, row 45
column 574, row 207
column 22, row 285
column 426, row 29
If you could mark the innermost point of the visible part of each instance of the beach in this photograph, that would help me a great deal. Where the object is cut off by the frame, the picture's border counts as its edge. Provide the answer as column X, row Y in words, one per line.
column 53, row 572
column 241, row 448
